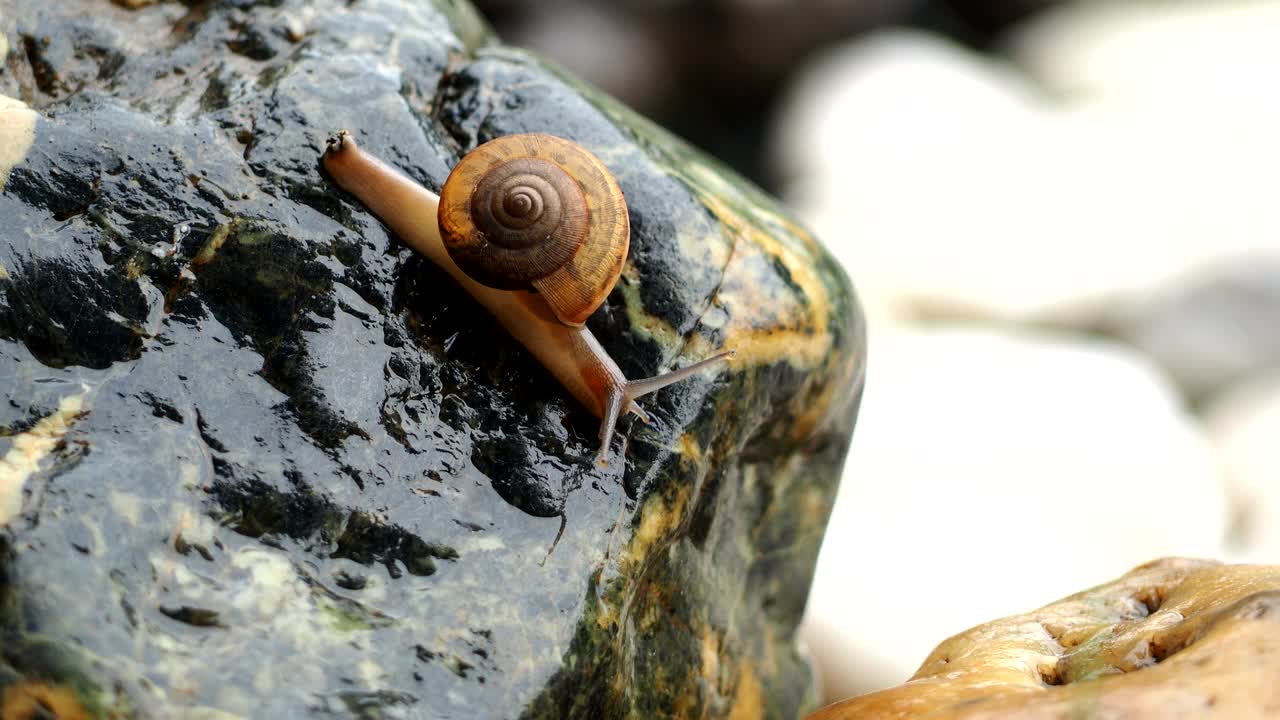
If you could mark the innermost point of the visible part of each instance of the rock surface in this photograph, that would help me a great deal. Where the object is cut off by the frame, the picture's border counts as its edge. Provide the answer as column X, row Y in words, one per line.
column 1172, row 638
column 1009, row 467
column 257, row 459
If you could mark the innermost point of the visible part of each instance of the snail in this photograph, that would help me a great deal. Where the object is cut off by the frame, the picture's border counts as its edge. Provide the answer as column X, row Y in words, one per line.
column 536, row 230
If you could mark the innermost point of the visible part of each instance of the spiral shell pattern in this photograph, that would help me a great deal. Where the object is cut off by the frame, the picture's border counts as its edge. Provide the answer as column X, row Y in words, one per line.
column 537, row 211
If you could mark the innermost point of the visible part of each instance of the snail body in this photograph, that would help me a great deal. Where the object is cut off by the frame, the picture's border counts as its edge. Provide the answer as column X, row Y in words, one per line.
column 543, row 305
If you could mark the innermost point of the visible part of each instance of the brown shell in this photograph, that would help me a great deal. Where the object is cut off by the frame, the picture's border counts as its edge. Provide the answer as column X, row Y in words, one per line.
column 537, row 211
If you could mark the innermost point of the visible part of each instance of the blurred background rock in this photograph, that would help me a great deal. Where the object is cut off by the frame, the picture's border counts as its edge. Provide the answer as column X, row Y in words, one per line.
column 1063, row 219
column 715, row 71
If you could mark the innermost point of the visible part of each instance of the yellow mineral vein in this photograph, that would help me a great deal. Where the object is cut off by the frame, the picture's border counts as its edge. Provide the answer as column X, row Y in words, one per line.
column 29, row 448
column 17, row 132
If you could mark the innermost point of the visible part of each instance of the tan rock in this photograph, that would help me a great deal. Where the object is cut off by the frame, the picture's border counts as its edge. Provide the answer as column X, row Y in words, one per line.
column 1175, row 638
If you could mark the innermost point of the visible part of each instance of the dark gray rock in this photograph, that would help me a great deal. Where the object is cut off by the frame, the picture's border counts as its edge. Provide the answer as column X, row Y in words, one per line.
column 262, row 460
column 1212, row 333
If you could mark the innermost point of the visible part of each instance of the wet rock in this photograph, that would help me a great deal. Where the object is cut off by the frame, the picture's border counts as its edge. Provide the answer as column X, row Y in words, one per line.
column 1171, row 638
column 1009, row 467
column 258, row 458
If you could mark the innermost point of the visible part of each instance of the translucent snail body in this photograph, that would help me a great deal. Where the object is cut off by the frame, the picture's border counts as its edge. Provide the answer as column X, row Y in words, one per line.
column 556, row 337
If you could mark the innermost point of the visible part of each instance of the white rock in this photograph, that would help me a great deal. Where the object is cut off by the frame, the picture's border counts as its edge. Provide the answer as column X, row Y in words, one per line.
column 950, row 186
column 992, row 473
column 1200, row 54
column 1244, row 424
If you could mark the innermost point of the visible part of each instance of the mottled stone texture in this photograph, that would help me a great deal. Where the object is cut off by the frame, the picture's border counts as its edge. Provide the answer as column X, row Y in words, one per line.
column 266, row 462
column 1174, row 638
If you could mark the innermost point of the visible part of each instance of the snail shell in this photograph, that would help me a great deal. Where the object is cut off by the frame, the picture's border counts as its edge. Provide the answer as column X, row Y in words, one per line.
column 537, row 211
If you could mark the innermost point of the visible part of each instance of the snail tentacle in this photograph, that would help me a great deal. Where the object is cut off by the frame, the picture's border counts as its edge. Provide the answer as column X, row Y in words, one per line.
column 639, row 388
column 621, row 400
column 638, row 411
column 611, row 411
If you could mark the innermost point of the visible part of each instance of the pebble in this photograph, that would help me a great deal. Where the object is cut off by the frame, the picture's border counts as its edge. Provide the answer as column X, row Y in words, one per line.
column 955, row 186
column 1203, row 56
column 1113, row 172
column 992, row 471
